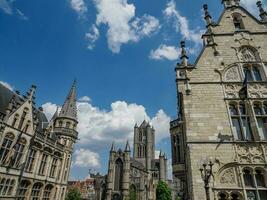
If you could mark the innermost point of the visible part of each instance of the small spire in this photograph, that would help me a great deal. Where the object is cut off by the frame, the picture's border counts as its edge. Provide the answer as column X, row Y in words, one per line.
column 183, row 57
column 263, row 13
column 161, row 154
column 69, row 108
column 207, row 15
column 230, row 3
column 127, row 147
column 135, row 126
column 112, row 149
column 31, row 92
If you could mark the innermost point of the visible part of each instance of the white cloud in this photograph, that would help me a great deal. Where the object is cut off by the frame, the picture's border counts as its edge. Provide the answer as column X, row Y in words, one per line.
column 86, row 158
column 98, row 128
column 7, row 85
column 49, row 109
column 165, row 52
column 6, row 6
column 181, row 23
column 85, row 98
column 79, row 6
column 92, row 36
column 123, row 26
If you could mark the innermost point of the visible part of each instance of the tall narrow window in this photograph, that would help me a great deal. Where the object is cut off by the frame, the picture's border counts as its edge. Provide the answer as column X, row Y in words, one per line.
column 248, row 179
column 178, row 148
column 240, row 122
column 43, row 164
column 22, row 119
column 47, row 192
column 261, row 117
column 6, row 187
column 252, row 72
column 118, row 175
column 53, row 167
column 19, row 149
column 5, row 148
column 30, row 161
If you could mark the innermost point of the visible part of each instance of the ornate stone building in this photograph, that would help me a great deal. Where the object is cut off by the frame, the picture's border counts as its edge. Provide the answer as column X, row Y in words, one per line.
column 35, row 154
column 138, row 175
column 214, row 119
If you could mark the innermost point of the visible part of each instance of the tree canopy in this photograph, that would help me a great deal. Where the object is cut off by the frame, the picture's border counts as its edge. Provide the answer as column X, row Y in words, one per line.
column 74, row 194
column 163, row 191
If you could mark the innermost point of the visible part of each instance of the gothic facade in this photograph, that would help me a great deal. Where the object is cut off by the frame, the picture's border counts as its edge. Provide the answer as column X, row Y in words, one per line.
column 35, row 154
column 215, row 121
column 139, row 174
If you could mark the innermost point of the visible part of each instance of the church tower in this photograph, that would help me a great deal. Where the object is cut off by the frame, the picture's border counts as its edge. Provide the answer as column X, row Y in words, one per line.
column 144, row 144
column 219, row 138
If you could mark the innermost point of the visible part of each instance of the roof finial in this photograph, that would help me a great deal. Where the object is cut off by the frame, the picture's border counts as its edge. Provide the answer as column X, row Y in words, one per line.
column 183, row 57
column 263, row 13
column 207, row 15
column 127, row 147
column 112, row 149
column 31, row 92
column 230, row 3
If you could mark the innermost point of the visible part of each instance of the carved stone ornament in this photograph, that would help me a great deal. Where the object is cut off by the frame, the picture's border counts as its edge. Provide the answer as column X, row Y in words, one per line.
column 228, row 177
column 243, row 39
column 232, row 74
column 247, row 55
column 250, row 153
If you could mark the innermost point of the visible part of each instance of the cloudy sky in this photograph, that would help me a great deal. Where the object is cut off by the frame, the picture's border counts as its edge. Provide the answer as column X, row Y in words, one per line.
column 122, row 53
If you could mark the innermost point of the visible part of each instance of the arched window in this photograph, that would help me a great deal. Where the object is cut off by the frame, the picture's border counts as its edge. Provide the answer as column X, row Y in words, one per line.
column 36, row 191
column 60, row 123
column 53, row 167
column 259, row 178
column 5, row 148
column 118, row 175
column 43, row 164
column 240, row 122
column 235, row 196
column 47, row 192
column 238, row 22
column 261, row 116
column 222, row 196
column 67, row 124
column 248, row 178
column 16, row 117
column 22, row 189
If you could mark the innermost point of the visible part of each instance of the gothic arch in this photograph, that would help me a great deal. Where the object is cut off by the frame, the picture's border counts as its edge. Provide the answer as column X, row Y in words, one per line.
column 118, row 175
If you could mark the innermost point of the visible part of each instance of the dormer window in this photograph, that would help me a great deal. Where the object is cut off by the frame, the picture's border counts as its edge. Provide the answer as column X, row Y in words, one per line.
column 238, row 22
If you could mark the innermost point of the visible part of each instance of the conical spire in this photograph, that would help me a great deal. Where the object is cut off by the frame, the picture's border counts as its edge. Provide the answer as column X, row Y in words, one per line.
column 69, row 108
column 263, row 13
column 127, row 147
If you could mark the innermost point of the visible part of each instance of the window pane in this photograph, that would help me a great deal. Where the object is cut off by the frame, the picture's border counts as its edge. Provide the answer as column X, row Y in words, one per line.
column 233, row 110
column 257, row 110
column 236, row 129
column 242, row 109
column 248, row 179
column 247, row 73
column 262, row 125
column 259, row 179
column 251, row 195
column 263, row 195
column 222, row 196
column 256, row 74
column 246, row 129
column 265, row 109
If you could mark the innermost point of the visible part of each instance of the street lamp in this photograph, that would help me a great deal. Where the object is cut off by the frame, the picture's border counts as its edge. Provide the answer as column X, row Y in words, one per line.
column 206, row 173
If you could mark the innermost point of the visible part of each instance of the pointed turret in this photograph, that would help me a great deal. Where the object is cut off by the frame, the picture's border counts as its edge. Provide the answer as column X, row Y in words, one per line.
column 69, row 108
column 112, row 149
column 127, row 147
column 263, row 13
column 184, row 57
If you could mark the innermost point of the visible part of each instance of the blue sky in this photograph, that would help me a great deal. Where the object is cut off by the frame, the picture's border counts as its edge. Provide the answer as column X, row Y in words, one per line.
column 122, row 53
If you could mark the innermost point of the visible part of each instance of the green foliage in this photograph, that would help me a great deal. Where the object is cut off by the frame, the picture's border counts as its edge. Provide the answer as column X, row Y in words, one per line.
column 163, row 191
column 132, row 193
column 74, row 194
